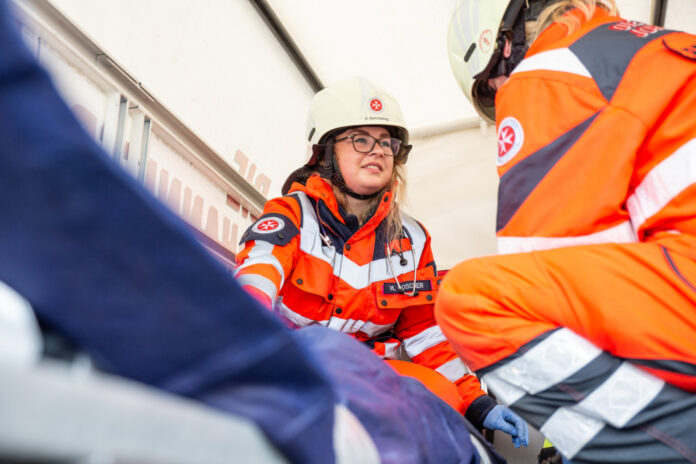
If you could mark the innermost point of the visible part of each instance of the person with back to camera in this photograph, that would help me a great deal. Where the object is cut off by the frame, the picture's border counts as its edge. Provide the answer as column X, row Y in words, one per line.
column 336, row 249
column 587, row 328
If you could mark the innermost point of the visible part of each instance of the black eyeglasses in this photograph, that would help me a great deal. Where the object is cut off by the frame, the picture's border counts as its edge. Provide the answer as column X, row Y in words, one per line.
column 365, row 143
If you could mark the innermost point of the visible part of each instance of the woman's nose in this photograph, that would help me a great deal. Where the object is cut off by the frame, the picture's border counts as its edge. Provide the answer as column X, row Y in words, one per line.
column 375, row 151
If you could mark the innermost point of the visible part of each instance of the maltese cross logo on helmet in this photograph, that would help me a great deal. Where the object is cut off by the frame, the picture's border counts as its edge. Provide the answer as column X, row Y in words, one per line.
column 268, row 225
column 376, row 105
column 486, row 41
column 510, row 139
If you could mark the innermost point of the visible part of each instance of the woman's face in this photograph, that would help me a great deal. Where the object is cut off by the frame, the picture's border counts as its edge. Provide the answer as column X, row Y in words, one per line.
column 364, row 173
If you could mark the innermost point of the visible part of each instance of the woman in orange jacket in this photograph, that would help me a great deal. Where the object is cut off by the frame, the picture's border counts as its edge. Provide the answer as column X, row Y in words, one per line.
column 337, row 251
column 588, row 329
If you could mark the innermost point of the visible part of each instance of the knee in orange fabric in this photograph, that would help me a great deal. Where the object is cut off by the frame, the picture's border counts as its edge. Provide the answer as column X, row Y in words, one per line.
column 459, row 285
column 432, row 380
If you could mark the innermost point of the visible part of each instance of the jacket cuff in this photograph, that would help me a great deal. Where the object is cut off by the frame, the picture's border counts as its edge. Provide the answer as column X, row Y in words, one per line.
column 478, row 410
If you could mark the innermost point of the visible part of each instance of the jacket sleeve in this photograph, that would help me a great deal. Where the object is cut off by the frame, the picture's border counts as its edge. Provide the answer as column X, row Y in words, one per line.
column 271, row 248
column 425, row 344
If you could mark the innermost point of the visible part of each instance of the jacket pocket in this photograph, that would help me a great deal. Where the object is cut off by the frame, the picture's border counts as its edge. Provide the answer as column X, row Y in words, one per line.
column 389, row 296
column 311, row 275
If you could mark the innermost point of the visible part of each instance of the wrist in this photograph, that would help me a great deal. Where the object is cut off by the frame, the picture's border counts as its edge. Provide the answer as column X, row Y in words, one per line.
column 478, row 410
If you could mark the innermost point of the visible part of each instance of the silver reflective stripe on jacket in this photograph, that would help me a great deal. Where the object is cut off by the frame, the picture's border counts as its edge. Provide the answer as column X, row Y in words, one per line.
column 356, row 275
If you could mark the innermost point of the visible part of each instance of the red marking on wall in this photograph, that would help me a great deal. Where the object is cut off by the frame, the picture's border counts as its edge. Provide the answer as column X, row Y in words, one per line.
column 248, row 171
column 151, row 175
column 263, row 184
column 232, row 203
column 174, row 197
column 191, row 206
column 163, row 184
column 86, row 118
column 211, row 223
column 192, row 211
column 229, row 234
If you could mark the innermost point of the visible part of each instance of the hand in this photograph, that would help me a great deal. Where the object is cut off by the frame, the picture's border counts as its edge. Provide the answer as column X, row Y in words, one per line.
column 503, row 419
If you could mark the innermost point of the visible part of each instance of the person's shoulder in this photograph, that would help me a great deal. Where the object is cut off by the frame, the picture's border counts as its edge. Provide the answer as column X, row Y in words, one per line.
column 288, row 205
column 279, row 223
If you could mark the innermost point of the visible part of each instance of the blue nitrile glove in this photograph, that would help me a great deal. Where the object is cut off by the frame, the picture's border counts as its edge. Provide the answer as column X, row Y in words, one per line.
column 502, row 418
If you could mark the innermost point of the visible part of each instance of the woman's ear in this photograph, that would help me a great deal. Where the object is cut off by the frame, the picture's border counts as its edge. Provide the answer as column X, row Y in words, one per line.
column 507, row 50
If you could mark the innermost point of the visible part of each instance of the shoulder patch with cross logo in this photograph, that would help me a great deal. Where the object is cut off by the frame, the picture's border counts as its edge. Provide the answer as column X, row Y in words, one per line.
column 273, row 228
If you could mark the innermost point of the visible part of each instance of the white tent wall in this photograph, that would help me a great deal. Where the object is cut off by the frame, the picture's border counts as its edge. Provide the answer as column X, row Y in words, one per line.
column 453, row 184
column 218, row 192
column 399, row 44
column 681, row 15
column 216, row 66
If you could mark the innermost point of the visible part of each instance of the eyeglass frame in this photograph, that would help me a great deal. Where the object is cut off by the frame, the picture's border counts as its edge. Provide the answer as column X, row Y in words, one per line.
column 352, row 136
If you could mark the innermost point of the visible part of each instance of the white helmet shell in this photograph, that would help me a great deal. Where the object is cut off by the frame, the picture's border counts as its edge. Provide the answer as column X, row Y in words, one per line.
column 353, row 102
column 471, row 43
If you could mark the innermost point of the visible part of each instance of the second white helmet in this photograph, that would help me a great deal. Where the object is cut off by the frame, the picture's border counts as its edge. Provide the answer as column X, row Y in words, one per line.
column 475, row 43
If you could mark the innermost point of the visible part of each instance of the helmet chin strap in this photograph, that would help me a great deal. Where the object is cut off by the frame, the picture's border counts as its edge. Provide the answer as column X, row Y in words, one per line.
column 516, row 35
column 344, row 188
column 338, row 180
column 328, row 169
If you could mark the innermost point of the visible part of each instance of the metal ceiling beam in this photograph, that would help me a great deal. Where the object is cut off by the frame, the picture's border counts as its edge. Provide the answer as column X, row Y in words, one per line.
column 659, row 12
column 280, row 33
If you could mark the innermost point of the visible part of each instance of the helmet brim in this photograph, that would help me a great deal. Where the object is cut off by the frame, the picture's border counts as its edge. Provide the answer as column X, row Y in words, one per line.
column 483, row 98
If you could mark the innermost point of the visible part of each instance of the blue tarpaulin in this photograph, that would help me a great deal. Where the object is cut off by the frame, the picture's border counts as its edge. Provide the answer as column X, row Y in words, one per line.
column 107, row 266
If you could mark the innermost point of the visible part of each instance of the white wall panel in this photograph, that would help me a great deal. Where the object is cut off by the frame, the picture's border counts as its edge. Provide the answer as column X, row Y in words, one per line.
column 181, row 169
column 214, row 64
column 638, row 10
column 87, row 98
column 681, row 15
column 400, row 44
column 453, row 189
column 194, row 196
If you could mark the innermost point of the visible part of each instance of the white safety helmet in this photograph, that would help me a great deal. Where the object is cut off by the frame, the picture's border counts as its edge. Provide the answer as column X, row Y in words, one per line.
column 475, row 41
column 353, row 102
column 349, row 103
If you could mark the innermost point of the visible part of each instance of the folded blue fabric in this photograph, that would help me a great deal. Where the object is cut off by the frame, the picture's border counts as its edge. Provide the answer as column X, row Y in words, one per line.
column 408, row 424
column 105, row 265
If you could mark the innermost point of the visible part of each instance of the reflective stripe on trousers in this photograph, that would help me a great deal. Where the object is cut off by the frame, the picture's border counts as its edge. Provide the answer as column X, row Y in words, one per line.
column 590, row 403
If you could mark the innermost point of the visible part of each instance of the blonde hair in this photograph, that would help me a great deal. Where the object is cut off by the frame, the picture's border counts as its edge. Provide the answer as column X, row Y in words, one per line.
column 397, row 186
column 555, row 13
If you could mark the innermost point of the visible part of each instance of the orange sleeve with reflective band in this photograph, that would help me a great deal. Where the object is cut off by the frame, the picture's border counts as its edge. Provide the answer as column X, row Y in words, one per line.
column 262, row 266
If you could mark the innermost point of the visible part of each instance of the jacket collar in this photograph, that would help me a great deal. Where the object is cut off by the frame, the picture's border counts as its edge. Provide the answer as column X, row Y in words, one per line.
column 556, row 32
column 320, row 190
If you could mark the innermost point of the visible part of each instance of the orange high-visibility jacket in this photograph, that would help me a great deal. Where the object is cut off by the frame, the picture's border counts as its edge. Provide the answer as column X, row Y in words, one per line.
column 610, row 158
column 303, row 258
column 596, row 147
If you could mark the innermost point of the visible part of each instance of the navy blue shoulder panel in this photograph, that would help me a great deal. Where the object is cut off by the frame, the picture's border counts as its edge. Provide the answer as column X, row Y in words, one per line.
column 274, row 228
column 380, row 250
column 295, row 197
column 607, row 50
